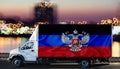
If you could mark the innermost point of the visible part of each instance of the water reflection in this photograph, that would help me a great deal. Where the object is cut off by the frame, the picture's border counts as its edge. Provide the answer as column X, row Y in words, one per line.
column 115, row 49
column 9, row 43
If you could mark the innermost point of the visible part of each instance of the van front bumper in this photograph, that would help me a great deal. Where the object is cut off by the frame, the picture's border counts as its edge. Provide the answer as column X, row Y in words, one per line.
column 9, row 59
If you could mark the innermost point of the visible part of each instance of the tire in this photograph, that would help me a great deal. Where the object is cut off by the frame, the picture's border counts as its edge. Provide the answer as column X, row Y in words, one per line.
column 17, row 62
column 85, row 63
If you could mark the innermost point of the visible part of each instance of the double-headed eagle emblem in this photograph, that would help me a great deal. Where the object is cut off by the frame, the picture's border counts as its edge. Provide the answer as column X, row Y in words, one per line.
column 75, row 41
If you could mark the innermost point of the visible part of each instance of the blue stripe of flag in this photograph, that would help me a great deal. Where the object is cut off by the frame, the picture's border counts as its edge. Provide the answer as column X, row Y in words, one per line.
column 55, row 40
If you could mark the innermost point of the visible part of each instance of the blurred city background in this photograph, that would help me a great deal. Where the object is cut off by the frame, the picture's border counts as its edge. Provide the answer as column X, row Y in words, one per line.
column 18, row 18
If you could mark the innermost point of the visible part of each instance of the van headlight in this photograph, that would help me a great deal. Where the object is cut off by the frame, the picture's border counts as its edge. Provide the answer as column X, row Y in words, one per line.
column 11, row 55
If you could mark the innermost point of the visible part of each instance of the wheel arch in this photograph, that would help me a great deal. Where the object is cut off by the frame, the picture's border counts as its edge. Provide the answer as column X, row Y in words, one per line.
column 18, row 56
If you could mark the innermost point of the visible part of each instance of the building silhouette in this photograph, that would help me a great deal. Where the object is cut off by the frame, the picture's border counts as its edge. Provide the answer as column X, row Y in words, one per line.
column 44, row 12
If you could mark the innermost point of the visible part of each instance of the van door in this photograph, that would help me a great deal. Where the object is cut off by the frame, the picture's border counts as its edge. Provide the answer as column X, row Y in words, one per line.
column 29, row 51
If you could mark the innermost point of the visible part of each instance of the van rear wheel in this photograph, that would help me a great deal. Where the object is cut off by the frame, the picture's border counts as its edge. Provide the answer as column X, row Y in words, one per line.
column 85, row 63
column 17, row 62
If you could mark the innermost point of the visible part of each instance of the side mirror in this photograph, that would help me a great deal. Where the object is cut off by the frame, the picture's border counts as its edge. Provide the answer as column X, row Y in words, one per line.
column 19, row 44
column 19, row 48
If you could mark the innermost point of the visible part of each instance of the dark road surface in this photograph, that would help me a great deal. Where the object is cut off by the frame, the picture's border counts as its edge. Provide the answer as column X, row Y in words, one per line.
column 5, row 65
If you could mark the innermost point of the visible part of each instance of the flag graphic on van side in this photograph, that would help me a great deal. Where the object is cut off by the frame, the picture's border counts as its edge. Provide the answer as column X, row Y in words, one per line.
column 74, row 41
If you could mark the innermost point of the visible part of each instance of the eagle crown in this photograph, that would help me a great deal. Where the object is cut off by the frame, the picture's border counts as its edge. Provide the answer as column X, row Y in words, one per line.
column 75, row 32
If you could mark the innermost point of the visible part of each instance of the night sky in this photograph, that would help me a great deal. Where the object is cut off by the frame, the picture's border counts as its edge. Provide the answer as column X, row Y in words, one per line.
column 77, row 10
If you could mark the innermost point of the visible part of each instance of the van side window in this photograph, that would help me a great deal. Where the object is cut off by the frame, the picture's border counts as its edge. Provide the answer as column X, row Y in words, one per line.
column 28, row 46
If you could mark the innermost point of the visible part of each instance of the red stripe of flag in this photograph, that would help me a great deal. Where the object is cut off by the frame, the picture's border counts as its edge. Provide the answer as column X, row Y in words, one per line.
column 56, row 51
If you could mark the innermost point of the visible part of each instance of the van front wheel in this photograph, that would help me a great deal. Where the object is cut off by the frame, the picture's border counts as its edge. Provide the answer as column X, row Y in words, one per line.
column 17, row 62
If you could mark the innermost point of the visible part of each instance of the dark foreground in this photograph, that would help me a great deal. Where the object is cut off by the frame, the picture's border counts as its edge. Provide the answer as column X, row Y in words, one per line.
column 5, row 65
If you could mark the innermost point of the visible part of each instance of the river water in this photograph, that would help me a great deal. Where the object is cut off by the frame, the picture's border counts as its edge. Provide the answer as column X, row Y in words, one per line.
column 9, row 43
